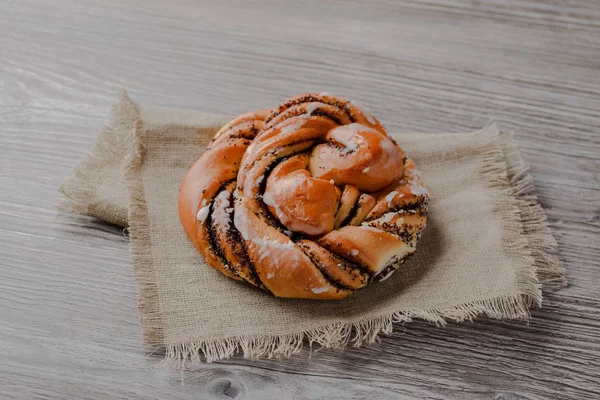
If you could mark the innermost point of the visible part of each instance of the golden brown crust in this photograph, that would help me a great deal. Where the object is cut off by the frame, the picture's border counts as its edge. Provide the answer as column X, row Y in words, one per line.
column 341, row 271
column 407, row 193
column 203, row 181
column 357, row 155
column 309, row 200
column 350, row 196
column 300, row 202
column 281, row 265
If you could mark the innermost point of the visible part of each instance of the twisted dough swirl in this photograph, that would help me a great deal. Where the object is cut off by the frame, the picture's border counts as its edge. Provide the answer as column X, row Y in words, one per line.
column 312, row 199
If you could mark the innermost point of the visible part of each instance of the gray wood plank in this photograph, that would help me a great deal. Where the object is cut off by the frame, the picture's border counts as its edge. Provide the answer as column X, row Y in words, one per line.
column 68, row 310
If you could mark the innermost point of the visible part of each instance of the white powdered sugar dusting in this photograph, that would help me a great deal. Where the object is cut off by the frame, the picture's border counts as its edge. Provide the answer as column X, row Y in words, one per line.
column 383, row 278
column 266, row 246
column 349, row 145
column 419, row 190
column 273, row 244
column 415, row 174
column 291, row 128
column 241, row 223
column 354, row 252
column 203, row 213
column 367, row 227
column 270, row 201
column 391, row 196
column 222, row 216
column 347, row 141
column 388, row 217
column 310, row 109
column 259, row 180
column 370, row 118
column 365, row 170
column 264, row 254
column 224, row 197
column 270, row 275
column 299, row 225
column 317, row 290
column 364, row 112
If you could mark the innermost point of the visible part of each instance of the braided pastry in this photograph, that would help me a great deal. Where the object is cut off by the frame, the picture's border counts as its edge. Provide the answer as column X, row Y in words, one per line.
column 312, row 199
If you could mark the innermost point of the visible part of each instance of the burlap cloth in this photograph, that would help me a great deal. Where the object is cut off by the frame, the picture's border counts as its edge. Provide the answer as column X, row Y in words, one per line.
column 486, row 248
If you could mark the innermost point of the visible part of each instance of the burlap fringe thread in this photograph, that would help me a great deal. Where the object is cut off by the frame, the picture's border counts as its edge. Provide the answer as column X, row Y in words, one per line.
column 527, row 237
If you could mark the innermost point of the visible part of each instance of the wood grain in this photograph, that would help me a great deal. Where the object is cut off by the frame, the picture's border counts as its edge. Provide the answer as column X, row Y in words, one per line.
column 67, row 300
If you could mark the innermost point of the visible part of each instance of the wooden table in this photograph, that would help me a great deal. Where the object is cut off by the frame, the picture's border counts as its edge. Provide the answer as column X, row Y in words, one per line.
column 68, row 324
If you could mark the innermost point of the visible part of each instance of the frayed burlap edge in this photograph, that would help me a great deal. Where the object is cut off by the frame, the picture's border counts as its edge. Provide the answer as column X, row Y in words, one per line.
column 79, row 190
column 535, row 228
column 526, row 237
column 140, row 244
